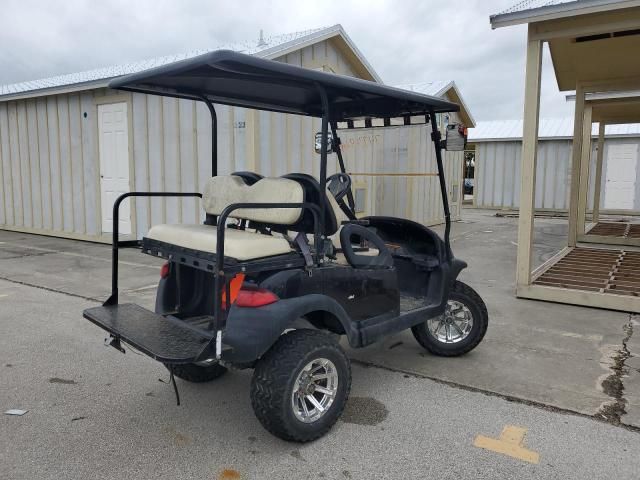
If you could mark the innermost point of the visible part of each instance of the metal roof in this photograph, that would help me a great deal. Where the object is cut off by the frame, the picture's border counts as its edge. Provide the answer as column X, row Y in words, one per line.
column 549, row 129
column 268, row 47
column 435, row 88
column 438, row 88
column 533, row 4
column 528, row 11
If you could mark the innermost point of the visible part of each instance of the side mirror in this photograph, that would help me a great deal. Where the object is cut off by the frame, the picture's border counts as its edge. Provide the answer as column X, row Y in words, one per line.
column 318, row 143
column 456, row 137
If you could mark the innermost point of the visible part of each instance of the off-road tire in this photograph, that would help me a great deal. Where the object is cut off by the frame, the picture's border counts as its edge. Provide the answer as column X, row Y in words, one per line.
column 194, row 373
column 466, row 295
column 274, row 378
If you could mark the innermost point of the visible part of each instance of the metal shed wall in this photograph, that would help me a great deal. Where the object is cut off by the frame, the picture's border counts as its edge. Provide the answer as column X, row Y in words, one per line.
column 497, row 174
column 49, row 168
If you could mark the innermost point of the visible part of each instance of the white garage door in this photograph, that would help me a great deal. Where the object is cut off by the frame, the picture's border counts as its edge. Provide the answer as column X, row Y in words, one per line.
column 622, row 162
column 114, row 164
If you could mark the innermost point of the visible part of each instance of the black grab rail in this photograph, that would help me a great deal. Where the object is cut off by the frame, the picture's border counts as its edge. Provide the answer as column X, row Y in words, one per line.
column 116, row 243
column 218, row 321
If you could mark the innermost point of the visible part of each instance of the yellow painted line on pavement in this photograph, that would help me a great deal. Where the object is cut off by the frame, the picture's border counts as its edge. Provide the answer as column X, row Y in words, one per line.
column 510, row 443
column 4, row 295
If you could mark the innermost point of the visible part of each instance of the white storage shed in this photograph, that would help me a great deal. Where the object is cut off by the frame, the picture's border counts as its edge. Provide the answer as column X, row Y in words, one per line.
column 69, row 145
column 498, row 149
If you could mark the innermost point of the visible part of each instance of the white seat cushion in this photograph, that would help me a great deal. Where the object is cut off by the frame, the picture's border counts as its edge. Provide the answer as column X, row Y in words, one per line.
column 238, row 244
column 222, row 191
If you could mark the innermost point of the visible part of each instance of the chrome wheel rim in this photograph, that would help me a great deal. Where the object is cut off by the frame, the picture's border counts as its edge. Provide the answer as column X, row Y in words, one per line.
column 454, row 325
column 314, row 390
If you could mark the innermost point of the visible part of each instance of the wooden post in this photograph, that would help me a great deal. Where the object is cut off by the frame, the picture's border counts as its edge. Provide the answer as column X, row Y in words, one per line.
column 597, row 186
column 585, row 164
column 529, row 153
column 576, row 156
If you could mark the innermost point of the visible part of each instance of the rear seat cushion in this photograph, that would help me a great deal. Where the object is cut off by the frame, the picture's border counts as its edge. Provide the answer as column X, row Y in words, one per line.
column 222, row 191
column 238, row 244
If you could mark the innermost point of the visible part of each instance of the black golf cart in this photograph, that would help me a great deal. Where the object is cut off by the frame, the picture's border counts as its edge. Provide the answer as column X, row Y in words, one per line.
column 282, row 266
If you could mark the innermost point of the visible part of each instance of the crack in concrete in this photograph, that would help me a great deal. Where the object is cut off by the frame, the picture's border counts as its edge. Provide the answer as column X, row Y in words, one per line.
column 491, row 393
column 24, row 255
column 613, row 385
column 49, row 289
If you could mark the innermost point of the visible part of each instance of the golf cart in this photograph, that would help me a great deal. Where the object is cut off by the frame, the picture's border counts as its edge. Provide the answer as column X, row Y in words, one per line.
column 282, row 266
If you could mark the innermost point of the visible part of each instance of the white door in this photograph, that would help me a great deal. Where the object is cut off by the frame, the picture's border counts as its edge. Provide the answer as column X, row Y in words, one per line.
column 622, row 162
column 113, row 145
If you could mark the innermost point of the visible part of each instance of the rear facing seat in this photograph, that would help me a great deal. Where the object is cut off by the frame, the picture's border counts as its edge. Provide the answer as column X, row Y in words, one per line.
column 242, row 245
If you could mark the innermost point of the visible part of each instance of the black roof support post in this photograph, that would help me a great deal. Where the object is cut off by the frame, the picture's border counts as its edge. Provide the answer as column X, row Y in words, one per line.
column 211, row 219
column 436, row 136
column 338, row 143
column 214, row 136
column 318, row 236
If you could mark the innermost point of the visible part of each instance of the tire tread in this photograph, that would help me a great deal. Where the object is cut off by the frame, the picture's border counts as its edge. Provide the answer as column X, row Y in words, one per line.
column 269, row 392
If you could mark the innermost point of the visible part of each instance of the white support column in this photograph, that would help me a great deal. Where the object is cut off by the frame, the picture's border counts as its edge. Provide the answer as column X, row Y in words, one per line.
column 576, row 156
column 529, row 153
column 597, row 186
column 585, row 163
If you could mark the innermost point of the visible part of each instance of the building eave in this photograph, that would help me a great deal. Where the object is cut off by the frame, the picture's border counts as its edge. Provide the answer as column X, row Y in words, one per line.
column 563, row 10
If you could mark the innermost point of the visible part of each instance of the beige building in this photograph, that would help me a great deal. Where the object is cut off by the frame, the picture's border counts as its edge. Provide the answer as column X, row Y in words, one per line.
column 69, row 145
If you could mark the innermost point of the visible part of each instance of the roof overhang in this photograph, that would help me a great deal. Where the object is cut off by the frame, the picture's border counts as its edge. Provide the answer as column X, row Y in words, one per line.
column 558, row 11
column 590, row 42
column 615, row 111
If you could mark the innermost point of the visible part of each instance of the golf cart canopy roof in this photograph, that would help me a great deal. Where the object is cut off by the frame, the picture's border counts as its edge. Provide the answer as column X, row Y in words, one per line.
column 232, row 78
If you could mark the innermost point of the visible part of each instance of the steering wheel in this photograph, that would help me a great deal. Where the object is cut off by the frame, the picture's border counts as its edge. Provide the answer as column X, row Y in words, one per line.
column 339, row 185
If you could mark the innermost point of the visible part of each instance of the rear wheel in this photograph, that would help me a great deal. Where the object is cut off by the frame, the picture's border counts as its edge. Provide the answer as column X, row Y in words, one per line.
column 301, row 385
column 460, row 329
column 197, row 372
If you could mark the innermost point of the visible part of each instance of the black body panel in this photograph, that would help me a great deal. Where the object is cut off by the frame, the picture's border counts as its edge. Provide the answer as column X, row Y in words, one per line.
column 361, row 293
column 251, row 331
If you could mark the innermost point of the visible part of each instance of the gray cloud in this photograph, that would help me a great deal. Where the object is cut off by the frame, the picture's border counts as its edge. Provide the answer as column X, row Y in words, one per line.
column 405, row 41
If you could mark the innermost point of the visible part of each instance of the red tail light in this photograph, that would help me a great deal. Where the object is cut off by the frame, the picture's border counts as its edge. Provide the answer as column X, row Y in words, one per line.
column 253, row 298
column 164, row 270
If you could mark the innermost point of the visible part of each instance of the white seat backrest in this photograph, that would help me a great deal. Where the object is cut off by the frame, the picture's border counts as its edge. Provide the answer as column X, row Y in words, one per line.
column 225, row 190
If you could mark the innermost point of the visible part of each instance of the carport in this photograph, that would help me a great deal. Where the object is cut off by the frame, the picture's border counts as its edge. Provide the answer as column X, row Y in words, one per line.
column 590, row 43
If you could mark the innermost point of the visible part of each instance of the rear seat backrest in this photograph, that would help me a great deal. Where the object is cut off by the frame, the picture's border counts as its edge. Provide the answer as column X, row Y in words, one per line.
column 222, row 191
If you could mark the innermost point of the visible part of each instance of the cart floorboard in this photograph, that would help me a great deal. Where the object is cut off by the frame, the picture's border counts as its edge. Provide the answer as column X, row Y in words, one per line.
column 165, row 339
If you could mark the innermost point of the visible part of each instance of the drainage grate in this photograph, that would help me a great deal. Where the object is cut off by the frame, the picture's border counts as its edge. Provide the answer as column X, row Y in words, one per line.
column 596, row 270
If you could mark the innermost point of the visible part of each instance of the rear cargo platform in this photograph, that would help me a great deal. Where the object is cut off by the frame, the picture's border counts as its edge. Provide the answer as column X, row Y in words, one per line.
column 165, row 339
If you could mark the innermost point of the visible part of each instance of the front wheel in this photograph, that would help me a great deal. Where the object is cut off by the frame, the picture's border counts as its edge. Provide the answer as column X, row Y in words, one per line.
column 301, row 385
column 460, row 329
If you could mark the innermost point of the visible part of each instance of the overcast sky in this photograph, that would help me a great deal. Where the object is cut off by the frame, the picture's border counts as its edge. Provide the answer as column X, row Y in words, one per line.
column 405, row 41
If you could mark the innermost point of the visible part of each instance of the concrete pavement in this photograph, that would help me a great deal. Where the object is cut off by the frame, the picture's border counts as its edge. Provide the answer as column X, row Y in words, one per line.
column 95, row 413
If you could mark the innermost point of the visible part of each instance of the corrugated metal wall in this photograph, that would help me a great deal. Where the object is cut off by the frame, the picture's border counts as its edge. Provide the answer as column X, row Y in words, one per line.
column 411, row 187
column 48, row 153
column 49, row 163
column 497, row 174
column 49, row 168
